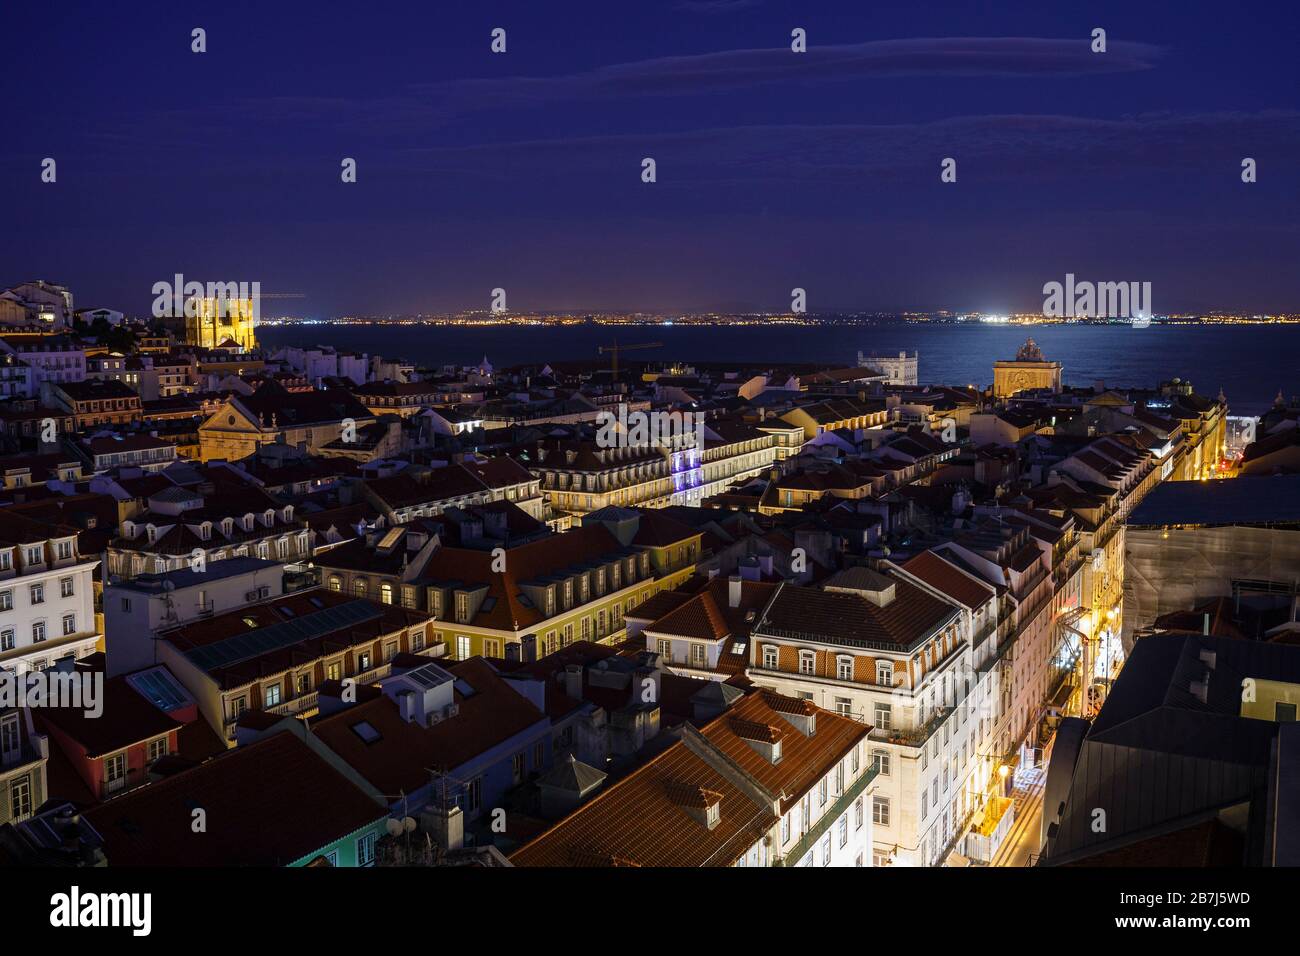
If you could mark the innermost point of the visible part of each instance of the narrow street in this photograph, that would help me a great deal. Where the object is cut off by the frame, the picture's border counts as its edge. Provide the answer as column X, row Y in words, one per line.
column 1022, row 842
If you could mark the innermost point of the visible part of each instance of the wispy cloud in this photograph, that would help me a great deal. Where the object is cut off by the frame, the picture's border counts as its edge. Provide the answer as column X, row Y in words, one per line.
column 719, row 72
column 742, row 69
column 1002, row 147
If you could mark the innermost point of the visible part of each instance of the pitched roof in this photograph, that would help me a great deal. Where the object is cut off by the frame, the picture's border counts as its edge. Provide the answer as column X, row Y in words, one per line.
column 255, row 799
column 645, row 819
column 401, row 758
column 126, row 718
column 949, row 579
column 524, row 563
column 853, row 621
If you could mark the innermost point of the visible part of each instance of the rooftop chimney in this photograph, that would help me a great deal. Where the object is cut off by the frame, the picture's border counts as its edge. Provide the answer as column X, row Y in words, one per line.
column 447, row 826
column 573, row 680
column 734, row 586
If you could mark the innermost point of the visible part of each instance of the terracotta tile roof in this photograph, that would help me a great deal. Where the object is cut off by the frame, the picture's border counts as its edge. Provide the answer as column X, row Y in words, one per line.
column 753, row 730
column 127, row 718
column 947, row 578
column 658, row 605
column 524, row 563
column 698, row 618
column 691, row 795
column 500, row 472
column 405, row 489
column 636, row 822
column 298, row 409
column 850, row 619
column 401, row 758
column 645, row 819
column 804, row 760
column 256, row 799
column 660, row 531
column 787, row 705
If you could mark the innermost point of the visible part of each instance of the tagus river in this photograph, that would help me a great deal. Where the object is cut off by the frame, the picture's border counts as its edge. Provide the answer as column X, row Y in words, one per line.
column 1249, row 362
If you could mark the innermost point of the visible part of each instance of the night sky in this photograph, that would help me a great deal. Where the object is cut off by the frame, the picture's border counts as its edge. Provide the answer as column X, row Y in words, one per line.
column 775, row 169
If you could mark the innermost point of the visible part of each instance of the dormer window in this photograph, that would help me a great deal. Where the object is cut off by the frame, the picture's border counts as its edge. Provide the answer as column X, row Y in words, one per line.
column 151, row 533
column 885, row 673
column 34, row 555
column 844, row 667
column 227, row 526
column 269, row 517
column 704, row 806
column 205, row 530
column 248, row 522
column 807, row 661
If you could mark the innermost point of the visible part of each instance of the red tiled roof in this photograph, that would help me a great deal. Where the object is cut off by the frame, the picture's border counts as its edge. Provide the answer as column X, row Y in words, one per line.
column 525, row 562
column 127, row 718
column 846, row 618
column 268, row 804
column 404, row 753
column 644, row 818
column 637, row 822
column 698, row 618
column 948, row 579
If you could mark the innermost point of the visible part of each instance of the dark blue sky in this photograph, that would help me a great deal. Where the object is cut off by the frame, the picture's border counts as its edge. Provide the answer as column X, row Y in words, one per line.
column 775, row 170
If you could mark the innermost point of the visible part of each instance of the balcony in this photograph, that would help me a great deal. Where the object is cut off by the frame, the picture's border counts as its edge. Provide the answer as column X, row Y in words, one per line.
column 915, row 736
column 295, row 706
column 827, row 820
column 373, row 674
column 132, row 779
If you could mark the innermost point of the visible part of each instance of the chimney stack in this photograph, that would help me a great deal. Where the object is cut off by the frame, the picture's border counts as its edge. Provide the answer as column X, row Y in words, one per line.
column 573, row 680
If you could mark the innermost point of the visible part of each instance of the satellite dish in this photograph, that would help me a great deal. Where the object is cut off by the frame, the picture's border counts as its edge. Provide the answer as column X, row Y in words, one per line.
column 394, row 827
column 408, row 824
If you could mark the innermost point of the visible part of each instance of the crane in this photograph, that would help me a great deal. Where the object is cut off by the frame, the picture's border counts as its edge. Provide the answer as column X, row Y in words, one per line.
column 616, row 348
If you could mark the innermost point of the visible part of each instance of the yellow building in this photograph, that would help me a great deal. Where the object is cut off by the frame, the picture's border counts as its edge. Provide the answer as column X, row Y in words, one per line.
column 536, row 598
column 213, row 323
column 313, row 419
column 1028, row 370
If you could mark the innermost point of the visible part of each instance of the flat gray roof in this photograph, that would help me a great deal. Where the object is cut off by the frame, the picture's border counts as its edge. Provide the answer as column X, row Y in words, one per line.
column 186, row 578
